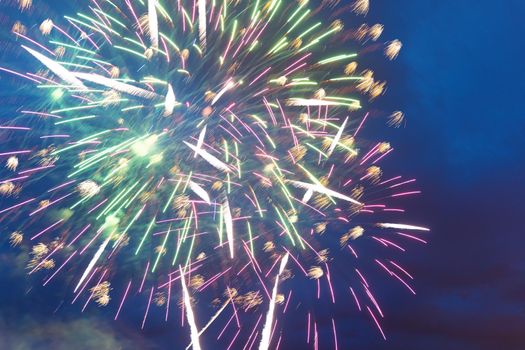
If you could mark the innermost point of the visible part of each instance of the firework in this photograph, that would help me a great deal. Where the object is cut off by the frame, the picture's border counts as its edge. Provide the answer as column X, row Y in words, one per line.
column 392, row 49
column 186, row 150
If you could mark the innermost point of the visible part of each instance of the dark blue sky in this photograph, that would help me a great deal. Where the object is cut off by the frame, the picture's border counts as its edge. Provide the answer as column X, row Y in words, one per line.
column 461, row 85
column 460, row 80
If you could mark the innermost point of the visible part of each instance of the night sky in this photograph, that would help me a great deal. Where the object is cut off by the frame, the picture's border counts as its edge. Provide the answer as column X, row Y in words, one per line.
column 460, row 80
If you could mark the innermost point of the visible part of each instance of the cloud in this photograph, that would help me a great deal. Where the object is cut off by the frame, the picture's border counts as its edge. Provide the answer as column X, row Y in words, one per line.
column 27, row 320
column 79, row 334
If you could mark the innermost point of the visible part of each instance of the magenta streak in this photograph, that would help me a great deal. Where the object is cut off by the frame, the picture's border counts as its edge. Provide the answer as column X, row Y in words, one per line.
column 66, row 34
column 36, row 169
column 234, row 338
column 384, row 155
column 92, row 240
column 362, row 277
column 98, row 6
column 47, row 229
column 227, row 324
column 193, row 11
column 168, row 300
column 243, row 268
column 370, row 153
column 248, row 341
column 77, row 236
column 260, row 75
column 192, row 269
column 273, row 329
column 85, row 285
column 14, row 152
column 361, row 124
column 374, row 302
column 308, row 330
column 297, row 262
column 60, row 268
column 57, row 135
column 413, row 237
column 287, row 302
column 135, row 16
column 405, row 194
column 271, row 268
column 403, row 183
column 19, row 74
column 147, row 308
column 42, row 114
column 270, row 111
column 353, row 251
column 217, row 22
column 165, row 48
column 211, row 14
column 296, row 62
column 255, row 338
column 93, row 292
column 85, row 34
column 261, row 92
column 260, row 279
column 258, row 35
column 394, row 210
column 234, row 128
column 380, row 241
column 34, row 42
column 316, row 340
column 312, row 248
column 60, row 186
column 355, row 298
column 309, row 206
column 42, row 78
column 50, row 204
column 97, row 206
column 234, row 309
column 393, row 244
column 46, row 258
column 295, row 69
column 14, row 179
column 330, row 283
column 252, row 257
column 291, row 157
column 384, row 267
column 238, row 48
column 376, row 322
column 253, row 30
column 14, row 128
column 144, row 278
column 406, row 284
column 103, row 68
column 251, row 200
column 335, row 334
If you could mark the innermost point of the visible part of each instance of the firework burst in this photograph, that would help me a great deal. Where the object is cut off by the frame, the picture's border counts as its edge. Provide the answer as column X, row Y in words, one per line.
column 204, row 150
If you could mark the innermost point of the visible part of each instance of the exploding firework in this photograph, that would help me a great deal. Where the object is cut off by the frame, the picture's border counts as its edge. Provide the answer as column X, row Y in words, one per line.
column 205, row 152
